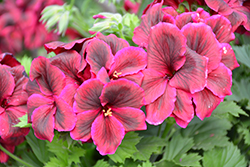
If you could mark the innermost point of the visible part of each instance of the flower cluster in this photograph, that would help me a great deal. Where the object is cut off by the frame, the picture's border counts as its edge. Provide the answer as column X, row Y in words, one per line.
column 19, row 20
column 189, row 62
column 13, row 103
column 90, row 88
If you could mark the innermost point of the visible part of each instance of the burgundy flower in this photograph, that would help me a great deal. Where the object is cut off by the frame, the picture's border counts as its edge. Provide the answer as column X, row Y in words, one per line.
column 237, row 11
column 106, row 112
column 132, row 7
column 46, row 106
column 13, row 99
column 9, row 144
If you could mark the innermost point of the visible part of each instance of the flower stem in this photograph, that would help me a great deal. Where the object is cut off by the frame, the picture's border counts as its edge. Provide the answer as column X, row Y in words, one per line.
column 166, row 130
column 159, row 130
column 72, row 2
column 14, row 157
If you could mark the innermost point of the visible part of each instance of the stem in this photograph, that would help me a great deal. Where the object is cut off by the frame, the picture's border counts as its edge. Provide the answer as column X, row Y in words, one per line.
column 79, row 29
column 14, row 157
column 121, row 35
column 159, row 130
column 166, row 130
column 72, row 2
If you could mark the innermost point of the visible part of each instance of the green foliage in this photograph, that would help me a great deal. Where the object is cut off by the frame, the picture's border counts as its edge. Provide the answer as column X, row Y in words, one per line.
column 244, row 129
column 26, row 62
column 127, row 147
column 23, row 122
column 229, row 157
column 242, row 54
column 102, row 163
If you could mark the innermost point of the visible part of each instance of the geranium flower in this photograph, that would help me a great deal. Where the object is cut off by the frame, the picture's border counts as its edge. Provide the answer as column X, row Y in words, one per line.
column 46, row 106
column 12, row 99
column 106, row 112
column 9, row 144
column 236, row 11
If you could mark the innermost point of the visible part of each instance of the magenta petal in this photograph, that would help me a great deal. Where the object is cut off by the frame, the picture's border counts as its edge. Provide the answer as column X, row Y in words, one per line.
column 83, row 125
column 183, row 106
column 103, row 76
column 113, row 41
column 236, row 18
column 99, row 55
column 162, row 107
column 7, row 83
column 184, row 18
column 219, row 6
column 9, row 60
column 192, row 75
column 166, row 47
column 154, row 84
column 153, row 16
column 137, row 78
column 246, row 11
column 170, row 10
column 219, row 81
column 180, row 122
column 129, row 60
column 31, row 87
column 65, row 118
column 68, row 93
column 3, row 156
column 122, row 93
column 205, row 102
column 201, row 39
column 87, row 96
column 228, row 57
column 131, row 118
column 107, row 134
column 221, row 27
column 43, row 122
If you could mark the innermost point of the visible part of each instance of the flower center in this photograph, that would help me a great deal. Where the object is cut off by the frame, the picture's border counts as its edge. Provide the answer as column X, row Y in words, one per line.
column 224, row 50
column 4, row 103
column 116, row 74
column 107, row 112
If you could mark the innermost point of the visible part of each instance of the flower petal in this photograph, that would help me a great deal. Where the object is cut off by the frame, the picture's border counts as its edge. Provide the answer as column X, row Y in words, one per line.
column 228, row 56
column 122, row 93
column 129, row 60
column 201, row 39
column 131, row 118
column 180, row 122
column 9, row 60
column 99, row 55
column 166, row 48
column 31, row 87
column 113, row 41
column 162, row 107
column 137, row 78
column 103, row 76
column 205, row 102
column 83, row 125
column 153, row 16
column 219, row 81
column 220, row 6
column 154, row 84
column 68, row 93
column 43, row 122
column 7, row 83
column 107, row 134
column 87, row 96
column 65, row 118
column 192, row 75
column 183, row 106
column 236, row 18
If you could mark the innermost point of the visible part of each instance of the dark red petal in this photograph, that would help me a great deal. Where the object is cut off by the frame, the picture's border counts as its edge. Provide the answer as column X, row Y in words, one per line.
column 201, row 39
column 3, row 156
column 183, row 106
column 113, row 41
column 166, row 48
column 103, row 76
column 43, row 122
column 219, row 81
column 245, row 11
column 68, row 93
column 167, row 18
column 31, row 87
column 69, row 62
column 219, row 6
column 122, row 93
column 87, row 96
column 99, row 55
column 131, row 118
column 236, row 18
column 137, row 78
column 171, row 11
column 184, row 18
column 180, row 122
column 192, row 75
column 153, row 16
column 107, row 134
column 65, row 118
column 9, row 60
column 162, row 107
column 205, row 102
column 7, row 83
column 83, row 125
column 228, row 57
column 129, row 60
column 154, row 84
column 221, row 27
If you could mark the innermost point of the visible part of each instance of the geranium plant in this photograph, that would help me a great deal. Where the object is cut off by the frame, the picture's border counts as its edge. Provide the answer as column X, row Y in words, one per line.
column 164, row 85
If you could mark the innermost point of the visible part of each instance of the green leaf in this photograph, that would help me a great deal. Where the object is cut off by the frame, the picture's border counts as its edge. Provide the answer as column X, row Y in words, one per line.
column 166, row 163
column 240, row 90
column 101, row 163
column 242, row 54
column 75, row 154
column 147, row 146
column 228, row 157
column 54, row 162
column 228, row 107
column 23, row 122
column 127, row 147
column 191, row 159
column 26, row 62
column 244, row 129
column 146, row 164
column 208, row 133
column 38, row 147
